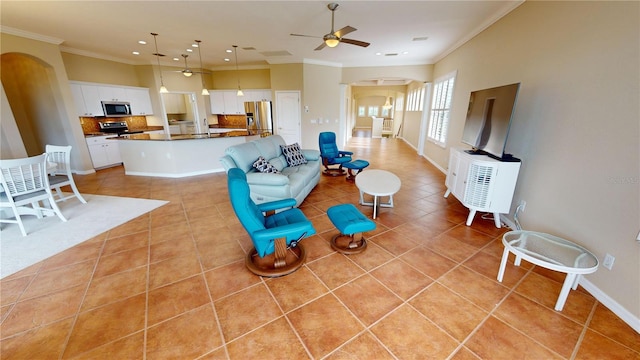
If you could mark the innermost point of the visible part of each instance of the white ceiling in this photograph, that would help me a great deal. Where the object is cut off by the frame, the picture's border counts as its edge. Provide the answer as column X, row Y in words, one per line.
column 261, row 29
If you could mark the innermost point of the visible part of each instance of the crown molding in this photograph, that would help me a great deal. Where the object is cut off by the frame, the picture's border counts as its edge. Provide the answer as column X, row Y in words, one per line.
column 30, row 35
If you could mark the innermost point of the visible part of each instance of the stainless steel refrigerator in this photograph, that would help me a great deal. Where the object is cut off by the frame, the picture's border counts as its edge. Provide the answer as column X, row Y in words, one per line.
column 259, row 116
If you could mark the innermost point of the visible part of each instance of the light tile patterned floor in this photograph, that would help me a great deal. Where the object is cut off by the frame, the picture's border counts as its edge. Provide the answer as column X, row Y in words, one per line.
column 172, row 284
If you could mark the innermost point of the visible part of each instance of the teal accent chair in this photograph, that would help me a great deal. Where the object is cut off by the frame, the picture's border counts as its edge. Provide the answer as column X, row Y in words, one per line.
column 331, row 156
column 275, row 235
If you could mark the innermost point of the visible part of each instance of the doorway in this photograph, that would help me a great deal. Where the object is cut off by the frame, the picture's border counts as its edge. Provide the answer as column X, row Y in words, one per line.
column 181, row 113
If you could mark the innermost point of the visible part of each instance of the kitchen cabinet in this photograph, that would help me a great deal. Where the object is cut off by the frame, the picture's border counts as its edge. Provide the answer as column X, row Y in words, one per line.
column 112, row 93
column 140, row 101
column 87, row 100
column 481, row 183
column 233, row 104
column 228, row 102
column 257, row 95
column 103, row 152
column 174, row 129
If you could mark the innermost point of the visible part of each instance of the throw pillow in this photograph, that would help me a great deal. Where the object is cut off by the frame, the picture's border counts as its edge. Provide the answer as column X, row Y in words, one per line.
column 293, row 154
column 264, row 166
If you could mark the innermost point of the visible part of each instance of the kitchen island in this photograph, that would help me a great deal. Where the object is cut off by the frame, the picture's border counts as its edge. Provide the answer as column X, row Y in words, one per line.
column 176, row 156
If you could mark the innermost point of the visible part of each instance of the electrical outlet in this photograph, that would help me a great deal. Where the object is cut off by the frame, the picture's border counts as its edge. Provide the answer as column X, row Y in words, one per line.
column 523, row 204
column 608, row 261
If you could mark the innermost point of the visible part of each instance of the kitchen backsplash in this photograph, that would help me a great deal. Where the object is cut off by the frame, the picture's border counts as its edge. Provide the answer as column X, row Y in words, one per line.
column 90, row 124
column 232, row 121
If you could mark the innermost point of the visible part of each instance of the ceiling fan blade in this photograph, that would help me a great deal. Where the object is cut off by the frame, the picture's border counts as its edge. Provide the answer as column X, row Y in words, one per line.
column 319, row 37
column 344, row 31
column 355, row 42
column 321, row 46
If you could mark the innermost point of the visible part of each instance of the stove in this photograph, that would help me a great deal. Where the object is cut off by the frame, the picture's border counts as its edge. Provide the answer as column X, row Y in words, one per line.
column 116, row 127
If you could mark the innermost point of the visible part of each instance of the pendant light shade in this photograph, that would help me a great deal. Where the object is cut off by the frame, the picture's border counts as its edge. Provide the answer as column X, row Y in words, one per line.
column 204, row 87
column 235, row 50
column 163, row 89
column 387, row 104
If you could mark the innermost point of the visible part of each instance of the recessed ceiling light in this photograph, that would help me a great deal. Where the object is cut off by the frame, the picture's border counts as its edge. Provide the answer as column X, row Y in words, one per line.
column 189, row 50
column 142, row 42
column 227, row 60
column 194, row 45
column 378, row 53
column 405, row 52
column 229, row 51
column 176, row 59
column 135, row 53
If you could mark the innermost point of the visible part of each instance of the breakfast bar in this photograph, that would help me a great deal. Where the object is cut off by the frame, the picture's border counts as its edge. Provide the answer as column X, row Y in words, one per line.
column 176, row 156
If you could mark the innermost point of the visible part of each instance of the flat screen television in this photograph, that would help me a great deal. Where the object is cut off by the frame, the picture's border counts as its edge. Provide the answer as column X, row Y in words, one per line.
column 488, row 120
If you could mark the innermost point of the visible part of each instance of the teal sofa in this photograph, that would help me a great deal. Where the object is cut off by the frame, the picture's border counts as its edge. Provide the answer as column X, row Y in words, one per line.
column 292, row 182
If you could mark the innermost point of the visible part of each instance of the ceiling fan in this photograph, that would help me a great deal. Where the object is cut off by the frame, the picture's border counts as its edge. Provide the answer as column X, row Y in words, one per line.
column 186, row 71
column 333, row 38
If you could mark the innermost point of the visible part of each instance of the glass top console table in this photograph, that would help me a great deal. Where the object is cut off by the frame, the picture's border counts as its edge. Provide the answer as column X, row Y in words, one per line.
column 552, row 253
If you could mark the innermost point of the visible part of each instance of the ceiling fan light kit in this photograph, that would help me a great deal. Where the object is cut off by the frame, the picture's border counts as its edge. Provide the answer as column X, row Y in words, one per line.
column 334, row 38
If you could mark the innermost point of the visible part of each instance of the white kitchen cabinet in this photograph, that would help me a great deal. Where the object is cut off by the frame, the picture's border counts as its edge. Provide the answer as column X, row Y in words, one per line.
column 257, row 95
column 112, row 93
column 233, row 104
column 87, row 100
column 482, row 183
column 140, row 101
column 229, row 103
column 217, row 101
column 174, row 129
column 103, row 152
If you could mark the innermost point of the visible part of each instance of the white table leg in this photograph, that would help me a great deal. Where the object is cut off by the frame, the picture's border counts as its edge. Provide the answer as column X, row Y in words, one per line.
column 566, row 287
column 375, row 206
column 576, row 281
column 503, row 264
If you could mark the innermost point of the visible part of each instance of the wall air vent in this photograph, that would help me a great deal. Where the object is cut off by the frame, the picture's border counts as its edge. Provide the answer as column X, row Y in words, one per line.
column 391, row 54
column 248, row 48
column 422, row 38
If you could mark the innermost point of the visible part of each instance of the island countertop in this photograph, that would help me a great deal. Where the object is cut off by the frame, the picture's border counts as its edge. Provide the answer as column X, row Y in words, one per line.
column 172, row 137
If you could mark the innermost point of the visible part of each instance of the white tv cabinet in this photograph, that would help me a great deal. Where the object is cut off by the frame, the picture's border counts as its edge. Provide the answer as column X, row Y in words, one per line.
column 481, row 183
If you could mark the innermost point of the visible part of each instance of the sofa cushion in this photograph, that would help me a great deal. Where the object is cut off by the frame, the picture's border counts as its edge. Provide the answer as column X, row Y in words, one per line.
column 264, row 166
column 244, row 155
column 293, row 154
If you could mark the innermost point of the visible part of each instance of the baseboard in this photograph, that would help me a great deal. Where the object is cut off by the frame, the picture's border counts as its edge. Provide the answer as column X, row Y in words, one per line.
column 624, row 314
column 173, row 175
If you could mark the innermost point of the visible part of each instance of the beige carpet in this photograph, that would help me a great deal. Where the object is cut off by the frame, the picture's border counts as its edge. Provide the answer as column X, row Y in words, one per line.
column 49, row 236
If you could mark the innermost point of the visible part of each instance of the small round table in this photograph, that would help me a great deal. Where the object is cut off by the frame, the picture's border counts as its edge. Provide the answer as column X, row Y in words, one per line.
column 377, row 183
column 550, row 252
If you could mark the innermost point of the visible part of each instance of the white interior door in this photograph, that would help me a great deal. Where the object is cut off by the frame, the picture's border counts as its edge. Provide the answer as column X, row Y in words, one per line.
column 288, row 116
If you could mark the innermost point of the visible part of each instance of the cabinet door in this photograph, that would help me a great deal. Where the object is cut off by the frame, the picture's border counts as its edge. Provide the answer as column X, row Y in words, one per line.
column 231, row 103
column 452, row 170
column 462, row 172
column 78, row 99
column 217, row 102
column 140, row 101
column 113, row 152
column 92, row 104
column 98, row 155
column 112, row 93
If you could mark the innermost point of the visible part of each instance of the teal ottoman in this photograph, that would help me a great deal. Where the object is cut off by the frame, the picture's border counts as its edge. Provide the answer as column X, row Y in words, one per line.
column 351, row 223
column 355, row 165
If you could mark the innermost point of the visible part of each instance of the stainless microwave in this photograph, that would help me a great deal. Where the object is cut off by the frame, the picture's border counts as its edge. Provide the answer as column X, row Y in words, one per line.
column 116, row 108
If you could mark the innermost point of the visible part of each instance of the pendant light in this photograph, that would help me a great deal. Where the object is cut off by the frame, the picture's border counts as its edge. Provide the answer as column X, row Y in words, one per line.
column 204, row 88
column 235, row 49
column 163, row 89
column 387, row 104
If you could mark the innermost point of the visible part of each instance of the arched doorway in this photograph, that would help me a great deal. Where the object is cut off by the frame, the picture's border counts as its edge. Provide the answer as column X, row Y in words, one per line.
column 28, row 84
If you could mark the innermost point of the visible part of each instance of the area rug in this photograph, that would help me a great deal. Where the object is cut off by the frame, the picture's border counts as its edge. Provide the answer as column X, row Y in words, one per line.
column 49, row 236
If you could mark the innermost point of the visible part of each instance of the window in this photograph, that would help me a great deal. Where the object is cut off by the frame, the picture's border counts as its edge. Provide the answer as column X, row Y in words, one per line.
column 373, row 111
column 440, row 109
column 360, row 110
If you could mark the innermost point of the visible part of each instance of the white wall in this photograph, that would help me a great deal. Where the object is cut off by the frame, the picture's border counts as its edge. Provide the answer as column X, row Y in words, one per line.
column 576, row 125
